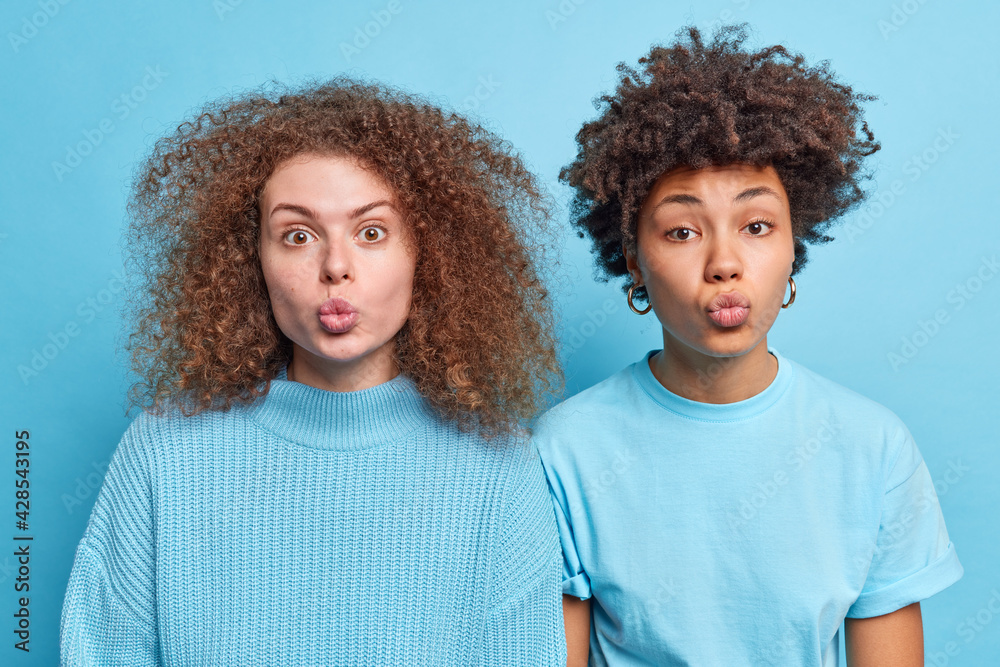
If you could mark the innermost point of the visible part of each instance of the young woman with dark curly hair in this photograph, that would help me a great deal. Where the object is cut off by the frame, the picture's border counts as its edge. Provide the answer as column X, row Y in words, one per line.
column 332, row 468
column 718, row 503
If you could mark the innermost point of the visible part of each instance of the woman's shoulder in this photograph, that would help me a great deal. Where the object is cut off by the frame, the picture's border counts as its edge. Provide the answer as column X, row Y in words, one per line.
column 170, row 426
column 583, row 426
column 858, row 424
column 610, row 395
column 820, row 390
column 173, row 418
column 510, row 453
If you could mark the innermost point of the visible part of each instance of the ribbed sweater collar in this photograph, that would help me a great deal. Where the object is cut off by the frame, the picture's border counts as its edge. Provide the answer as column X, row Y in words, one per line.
column 322, row 419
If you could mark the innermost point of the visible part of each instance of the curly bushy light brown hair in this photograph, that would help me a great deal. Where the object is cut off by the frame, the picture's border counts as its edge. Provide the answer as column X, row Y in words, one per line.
column 478, row 341
column 695, row 104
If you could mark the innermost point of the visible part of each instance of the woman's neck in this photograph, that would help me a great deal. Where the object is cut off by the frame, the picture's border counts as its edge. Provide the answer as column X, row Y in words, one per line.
column 355, row 375
column 706, row 379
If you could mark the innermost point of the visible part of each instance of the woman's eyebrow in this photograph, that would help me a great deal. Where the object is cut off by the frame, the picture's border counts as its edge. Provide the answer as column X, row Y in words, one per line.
column 691, row 200
column 750, row 193
column 309, row 213
column 295, row 208
column 361, row 210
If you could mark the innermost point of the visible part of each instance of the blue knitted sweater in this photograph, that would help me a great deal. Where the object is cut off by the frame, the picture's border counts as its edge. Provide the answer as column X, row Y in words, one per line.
column 317, row 528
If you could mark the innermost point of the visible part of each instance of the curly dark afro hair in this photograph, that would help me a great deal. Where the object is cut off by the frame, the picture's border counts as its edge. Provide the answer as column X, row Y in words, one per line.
column 701, row 105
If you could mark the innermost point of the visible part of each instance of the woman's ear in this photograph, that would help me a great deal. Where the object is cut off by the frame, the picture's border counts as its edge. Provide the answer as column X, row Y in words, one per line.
column 632, row 263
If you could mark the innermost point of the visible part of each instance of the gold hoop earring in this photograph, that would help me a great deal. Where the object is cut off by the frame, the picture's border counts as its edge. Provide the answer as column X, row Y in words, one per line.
column 792, row 297
column 632, row 305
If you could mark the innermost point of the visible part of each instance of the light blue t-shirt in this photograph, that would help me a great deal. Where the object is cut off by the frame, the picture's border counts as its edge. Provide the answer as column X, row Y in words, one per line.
column 739, row 533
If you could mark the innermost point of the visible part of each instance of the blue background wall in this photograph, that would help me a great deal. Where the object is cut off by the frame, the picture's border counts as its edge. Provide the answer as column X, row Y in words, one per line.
column 106, row 78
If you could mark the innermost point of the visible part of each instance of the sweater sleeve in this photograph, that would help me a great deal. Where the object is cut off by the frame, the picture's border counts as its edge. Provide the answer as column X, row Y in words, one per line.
column 109, row 613
column 524, row 625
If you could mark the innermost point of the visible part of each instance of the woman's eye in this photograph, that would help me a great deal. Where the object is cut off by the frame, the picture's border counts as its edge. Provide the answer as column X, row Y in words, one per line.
column 372, row 234
column 298, row 237
column 758, row 227
column 680, row 233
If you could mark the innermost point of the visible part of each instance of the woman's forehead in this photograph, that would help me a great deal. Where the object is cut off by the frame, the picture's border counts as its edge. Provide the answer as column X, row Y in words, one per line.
column 335, row 183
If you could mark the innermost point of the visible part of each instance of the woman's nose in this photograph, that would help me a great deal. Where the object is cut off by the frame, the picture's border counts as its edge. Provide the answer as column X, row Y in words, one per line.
column 723, row 262
column 337, row 263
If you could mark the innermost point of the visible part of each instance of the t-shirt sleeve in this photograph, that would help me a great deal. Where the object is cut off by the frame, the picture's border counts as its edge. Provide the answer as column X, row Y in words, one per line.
column 524, row 623
column 913, row 557
column 575, row 580
column 108, row 615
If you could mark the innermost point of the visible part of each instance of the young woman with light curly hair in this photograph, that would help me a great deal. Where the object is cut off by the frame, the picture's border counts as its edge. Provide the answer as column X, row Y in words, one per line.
column 340, row 334
column 718, row 503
